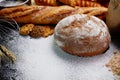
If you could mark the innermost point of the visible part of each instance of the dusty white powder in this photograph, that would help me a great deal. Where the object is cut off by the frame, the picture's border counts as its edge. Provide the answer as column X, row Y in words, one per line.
column 41, row 59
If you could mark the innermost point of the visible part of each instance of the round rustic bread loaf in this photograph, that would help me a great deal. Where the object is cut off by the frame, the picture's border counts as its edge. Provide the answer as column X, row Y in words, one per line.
column 82, row 35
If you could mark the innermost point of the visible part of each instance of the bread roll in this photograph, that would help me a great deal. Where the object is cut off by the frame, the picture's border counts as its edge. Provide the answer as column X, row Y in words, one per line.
column 82, row 35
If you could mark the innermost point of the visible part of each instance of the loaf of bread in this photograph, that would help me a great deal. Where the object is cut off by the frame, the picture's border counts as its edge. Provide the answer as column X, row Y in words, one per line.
column 47, row 14
column 82, row 35
column 47, row 2
column 81, row 3
column 99, row 12
column 37, row 14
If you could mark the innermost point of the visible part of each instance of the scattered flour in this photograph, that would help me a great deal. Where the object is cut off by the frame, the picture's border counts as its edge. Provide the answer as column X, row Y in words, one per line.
column 41, row 59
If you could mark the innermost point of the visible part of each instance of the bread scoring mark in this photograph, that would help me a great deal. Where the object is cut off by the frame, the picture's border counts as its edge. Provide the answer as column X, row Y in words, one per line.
column 18, row 11
column 41, row 10
column 57, row 17
column 59, row 13
column 6, row 11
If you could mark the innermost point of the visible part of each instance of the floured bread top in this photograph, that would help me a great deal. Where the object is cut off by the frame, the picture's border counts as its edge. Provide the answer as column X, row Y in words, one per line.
column 88, row 26
column 82, row 34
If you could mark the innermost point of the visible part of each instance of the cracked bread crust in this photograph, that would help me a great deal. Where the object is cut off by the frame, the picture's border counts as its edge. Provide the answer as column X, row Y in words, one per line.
column 82, row 35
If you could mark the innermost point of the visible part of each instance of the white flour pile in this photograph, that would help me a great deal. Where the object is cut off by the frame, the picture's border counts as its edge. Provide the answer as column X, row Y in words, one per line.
column 40, row 59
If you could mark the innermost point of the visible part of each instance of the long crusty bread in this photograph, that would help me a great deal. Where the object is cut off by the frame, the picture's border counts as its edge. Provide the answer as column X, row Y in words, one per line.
column 47, row 14
column 81, row 3
column 47, row 2
column 37, row 14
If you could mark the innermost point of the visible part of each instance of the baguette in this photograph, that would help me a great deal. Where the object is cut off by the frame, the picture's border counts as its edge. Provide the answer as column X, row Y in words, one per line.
column 47, row 14
column 47, row 2
column 81, row 3
column 37, row 14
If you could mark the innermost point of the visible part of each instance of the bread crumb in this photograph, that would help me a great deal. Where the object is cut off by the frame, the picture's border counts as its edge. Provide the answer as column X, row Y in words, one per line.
column 114, row 63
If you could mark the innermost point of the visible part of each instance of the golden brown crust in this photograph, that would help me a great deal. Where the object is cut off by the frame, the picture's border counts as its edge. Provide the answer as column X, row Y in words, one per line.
column 47, row 2
column 37, row 14
column 99, row 12
column 26, row 29
column 36, row 31
column 81, row 3
column 41, row 31
column 47, row 14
